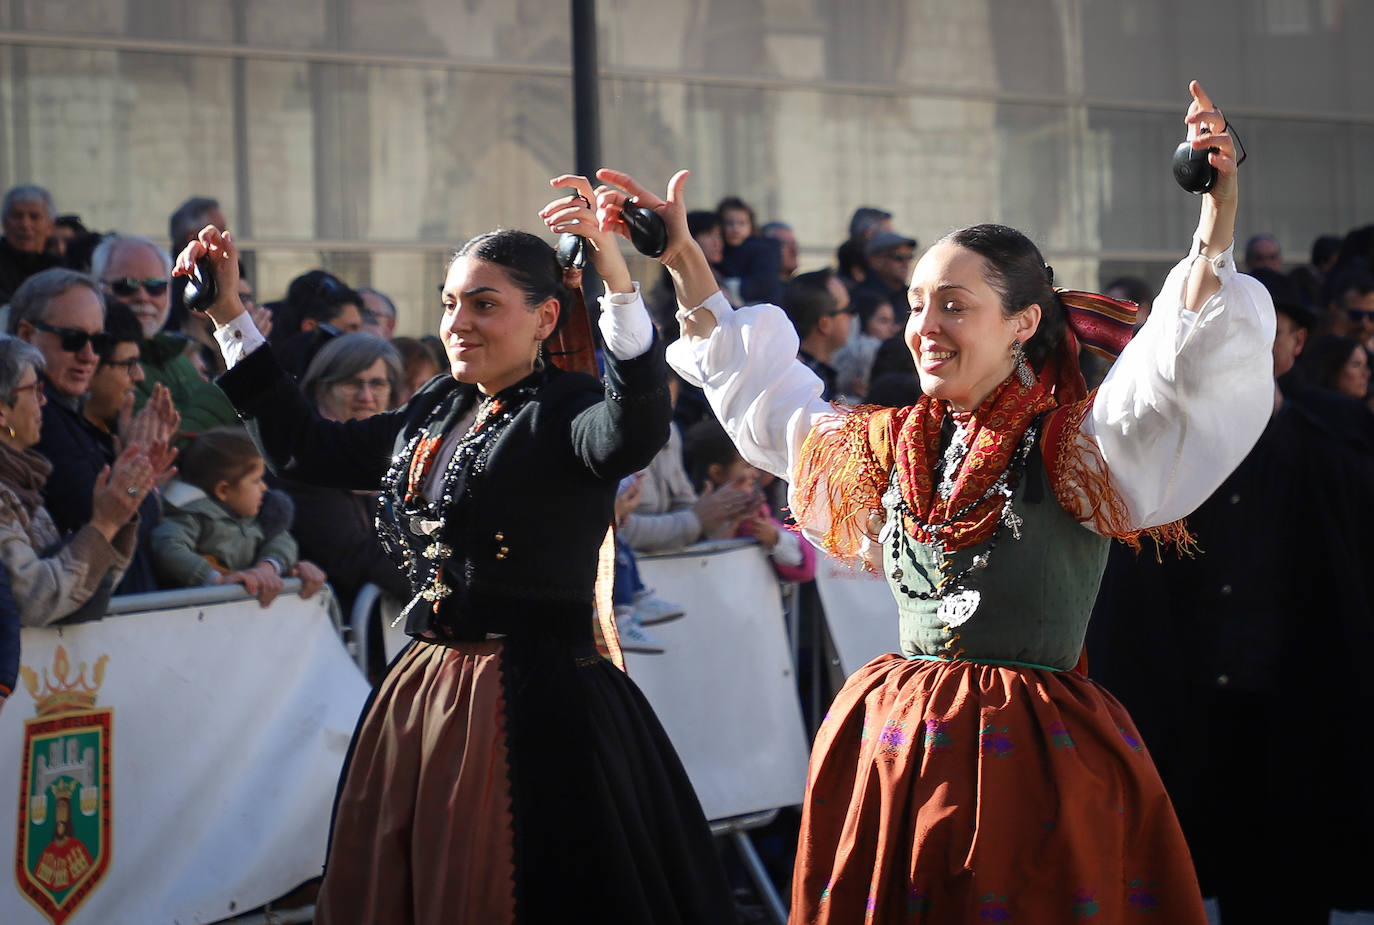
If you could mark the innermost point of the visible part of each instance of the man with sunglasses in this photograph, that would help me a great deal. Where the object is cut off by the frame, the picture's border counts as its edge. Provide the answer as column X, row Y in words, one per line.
column 136, row 272
column 62, row 313
column 1351, row 310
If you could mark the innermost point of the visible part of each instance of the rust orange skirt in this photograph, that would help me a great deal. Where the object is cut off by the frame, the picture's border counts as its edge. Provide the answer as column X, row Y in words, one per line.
column 961, row 792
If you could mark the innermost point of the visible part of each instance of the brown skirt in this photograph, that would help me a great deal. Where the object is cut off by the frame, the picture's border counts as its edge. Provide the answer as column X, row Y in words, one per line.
column 491, row 783
column 958, row 792
column 435, row 737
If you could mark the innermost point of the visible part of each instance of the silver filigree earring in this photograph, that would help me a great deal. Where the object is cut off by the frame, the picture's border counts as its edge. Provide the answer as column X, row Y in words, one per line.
column 1023, row 369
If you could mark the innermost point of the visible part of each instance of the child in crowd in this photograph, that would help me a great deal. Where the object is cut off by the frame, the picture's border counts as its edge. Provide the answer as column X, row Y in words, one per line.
column 712, row 462
column 223, row 526
column 635, row 605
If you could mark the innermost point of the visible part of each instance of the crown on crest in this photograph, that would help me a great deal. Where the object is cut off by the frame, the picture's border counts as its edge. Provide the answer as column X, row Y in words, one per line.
column 64, row 788
column 61, row 693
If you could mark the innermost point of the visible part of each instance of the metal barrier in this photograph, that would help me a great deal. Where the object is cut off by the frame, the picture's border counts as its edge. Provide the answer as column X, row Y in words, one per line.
column 206, row 594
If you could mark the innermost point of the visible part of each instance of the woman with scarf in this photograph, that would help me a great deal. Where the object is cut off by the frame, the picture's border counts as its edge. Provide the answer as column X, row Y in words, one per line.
column 979, row 775
column 503, row 771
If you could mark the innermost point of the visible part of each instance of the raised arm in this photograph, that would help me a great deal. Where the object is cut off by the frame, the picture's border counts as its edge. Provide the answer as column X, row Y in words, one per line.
column 1191, row 393
column 621, row 433
column 1216, row 225
column 746, row 360
column 295, row 441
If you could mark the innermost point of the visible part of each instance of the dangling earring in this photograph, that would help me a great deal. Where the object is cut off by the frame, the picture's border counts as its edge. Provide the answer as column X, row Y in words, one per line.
column 11, row 430
column 1023, row 370
column 539, row 359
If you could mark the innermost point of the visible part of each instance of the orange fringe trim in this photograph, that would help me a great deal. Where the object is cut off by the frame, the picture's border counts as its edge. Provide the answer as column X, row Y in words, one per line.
column 1078, row 474
column 844, row 467
column 842, row 473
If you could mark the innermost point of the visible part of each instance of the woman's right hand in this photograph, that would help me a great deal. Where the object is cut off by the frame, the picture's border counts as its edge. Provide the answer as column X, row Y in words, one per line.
column 120, row 489
column 224, row 258
column 693, row 278
column 672, row 209
column 574, row 215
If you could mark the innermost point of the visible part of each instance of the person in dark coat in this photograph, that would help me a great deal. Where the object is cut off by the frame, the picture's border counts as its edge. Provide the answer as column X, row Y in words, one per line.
column 1265, row 629
column 750, row 262
column 28, row 217
column 71, row 303
column 503, row 770
column 9, row 638
column 326, row 308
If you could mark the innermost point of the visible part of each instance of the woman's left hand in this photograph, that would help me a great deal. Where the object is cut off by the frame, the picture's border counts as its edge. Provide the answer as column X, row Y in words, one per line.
column 1207, row 128
column 1216, row 227
column 575, row 215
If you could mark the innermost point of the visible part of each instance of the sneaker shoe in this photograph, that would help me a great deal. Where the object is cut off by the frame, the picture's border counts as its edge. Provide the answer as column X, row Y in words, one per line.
column 651, row 610
column 635, row 638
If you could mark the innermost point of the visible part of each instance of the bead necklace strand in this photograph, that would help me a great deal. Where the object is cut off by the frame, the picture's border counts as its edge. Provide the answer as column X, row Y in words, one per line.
column 957, row 602
column 430, row 519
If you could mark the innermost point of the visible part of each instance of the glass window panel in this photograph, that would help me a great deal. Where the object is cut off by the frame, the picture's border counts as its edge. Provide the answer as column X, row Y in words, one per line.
column 118, row 137
column 867, row 41
column 280, row 169
column 536, row 32
column 144, row 19
column 1297, row 180
column 1139, row 205
column 1038, row 157
column 1359, row 204
column 809, row 158
column 385, row 153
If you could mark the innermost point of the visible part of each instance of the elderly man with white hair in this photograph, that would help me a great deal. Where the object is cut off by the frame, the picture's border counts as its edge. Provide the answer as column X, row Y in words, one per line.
column 137, row 272
column 28, row 216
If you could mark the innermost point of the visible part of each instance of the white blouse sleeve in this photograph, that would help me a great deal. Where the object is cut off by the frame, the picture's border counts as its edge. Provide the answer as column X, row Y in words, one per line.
column 1188, row 397
column 625, row 326
column 238, row 338
column 767, row 400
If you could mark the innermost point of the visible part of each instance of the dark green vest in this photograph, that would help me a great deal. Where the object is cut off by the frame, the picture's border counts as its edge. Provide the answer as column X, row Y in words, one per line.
column 1037, row 592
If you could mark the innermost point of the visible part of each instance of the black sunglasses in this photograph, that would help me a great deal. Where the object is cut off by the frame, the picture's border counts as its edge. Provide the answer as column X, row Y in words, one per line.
column 127, row 365
column 1359, row 314
column 127, row 286
column 74, row 340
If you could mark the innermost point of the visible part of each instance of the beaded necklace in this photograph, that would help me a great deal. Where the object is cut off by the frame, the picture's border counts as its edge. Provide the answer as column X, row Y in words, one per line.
column 405, row 512
column 957, row 601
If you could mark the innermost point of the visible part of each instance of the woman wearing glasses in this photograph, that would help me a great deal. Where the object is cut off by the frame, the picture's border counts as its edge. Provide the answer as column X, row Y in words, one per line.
column 352, row 378
column 136, row 271
column 977, row 777
column 55, row 579
column 503, row 771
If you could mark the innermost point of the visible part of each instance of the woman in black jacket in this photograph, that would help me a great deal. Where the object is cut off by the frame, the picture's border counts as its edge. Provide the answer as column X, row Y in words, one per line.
column 503, row 771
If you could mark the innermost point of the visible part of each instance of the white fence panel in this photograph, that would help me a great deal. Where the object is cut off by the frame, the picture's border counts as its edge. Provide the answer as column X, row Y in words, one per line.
column 724, row 689
column 224, row 729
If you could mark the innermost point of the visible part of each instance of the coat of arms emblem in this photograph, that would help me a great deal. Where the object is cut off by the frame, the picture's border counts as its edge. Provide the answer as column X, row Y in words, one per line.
column 63, row 846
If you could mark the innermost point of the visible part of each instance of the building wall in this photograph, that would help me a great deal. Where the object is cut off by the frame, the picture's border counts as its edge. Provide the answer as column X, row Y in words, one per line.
column 373, row 137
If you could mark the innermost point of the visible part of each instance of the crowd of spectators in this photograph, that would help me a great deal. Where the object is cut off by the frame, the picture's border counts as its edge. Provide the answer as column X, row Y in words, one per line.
column 105, row 377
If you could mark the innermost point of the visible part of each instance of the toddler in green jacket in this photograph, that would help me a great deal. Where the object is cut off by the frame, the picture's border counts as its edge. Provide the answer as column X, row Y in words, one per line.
column 222, row 525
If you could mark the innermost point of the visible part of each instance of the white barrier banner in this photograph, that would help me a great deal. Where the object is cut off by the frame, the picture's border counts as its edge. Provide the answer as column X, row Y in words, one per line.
column 859, row 612
column 173, row 766
column 724, row 688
